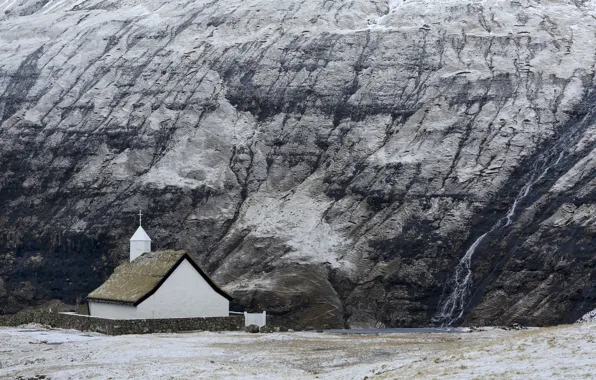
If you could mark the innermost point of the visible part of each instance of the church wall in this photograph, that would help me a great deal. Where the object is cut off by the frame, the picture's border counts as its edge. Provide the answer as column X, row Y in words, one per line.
column 185, row 294
column 112, row 311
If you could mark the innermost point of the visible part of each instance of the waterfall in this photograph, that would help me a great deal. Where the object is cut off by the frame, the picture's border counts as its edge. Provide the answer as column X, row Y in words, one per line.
column 457, row 290
column 453, row 302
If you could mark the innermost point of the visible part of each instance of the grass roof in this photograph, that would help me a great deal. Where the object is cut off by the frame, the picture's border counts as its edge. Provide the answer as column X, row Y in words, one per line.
column 132, row 282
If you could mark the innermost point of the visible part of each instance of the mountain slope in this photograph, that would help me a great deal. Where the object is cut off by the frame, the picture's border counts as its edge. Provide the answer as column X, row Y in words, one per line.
column 328, row 161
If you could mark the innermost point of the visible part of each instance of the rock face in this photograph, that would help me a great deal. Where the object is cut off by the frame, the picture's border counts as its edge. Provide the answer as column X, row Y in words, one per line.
column 364, row 163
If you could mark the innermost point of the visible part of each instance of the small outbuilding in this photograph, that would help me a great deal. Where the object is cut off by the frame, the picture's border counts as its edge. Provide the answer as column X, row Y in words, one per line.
column 162, row 284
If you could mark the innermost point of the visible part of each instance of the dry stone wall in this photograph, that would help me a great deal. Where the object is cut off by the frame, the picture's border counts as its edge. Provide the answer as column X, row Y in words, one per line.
column 122, row 327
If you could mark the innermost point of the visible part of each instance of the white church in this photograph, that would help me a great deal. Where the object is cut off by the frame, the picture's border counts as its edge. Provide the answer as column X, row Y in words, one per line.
column 163, row 284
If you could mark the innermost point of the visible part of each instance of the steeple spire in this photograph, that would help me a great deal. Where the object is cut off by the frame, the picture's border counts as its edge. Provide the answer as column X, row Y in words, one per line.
column 140, row 242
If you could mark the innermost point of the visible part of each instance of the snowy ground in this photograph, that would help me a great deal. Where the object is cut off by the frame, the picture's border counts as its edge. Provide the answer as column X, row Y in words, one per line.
column 559, row 352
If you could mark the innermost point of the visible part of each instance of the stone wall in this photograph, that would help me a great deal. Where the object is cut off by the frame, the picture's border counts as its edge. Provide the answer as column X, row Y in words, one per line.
column 121, row 327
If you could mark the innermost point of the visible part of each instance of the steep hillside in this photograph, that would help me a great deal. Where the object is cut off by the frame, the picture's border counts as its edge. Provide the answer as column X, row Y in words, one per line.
column 355, row 163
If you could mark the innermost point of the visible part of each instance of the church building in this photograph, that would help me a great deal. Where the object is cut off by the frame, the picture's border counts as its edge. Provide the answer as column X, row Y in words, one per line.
column 162, row 284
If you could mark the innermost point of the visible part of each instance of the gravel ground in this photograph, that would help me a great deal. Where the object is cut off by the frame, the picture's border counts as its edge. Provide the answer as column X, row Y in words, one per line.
column 32, row 352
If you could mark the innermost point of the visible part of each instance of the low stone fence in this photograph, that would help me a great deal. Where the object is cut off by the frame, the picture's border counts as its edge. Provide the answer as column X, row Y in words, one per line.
column 121, row 327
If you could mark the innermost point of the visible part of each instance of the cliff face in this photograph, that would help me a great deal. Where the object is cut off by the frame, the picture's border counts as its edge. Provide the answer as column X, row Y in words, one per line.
column 363, row 163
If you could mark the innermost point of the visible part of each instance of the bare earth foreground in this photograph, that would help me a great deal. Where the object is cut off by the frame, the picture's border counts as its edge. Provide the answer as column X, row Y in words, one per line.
column 557, row 352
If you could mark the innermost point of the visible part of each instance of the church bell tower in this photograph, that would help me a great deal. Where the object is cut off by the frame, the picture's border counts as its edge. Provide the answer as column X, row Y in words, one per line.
column 140, row 242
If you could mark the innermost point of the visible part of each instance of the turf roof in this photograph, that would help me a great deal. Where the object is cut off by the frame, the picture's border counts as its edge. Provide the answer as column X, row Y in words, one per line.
column 133, row 282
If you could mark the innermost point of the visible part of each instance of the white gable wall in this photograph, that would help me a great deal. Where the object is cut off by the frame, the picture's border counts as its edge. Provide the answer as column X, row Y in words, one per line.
column 185, row 294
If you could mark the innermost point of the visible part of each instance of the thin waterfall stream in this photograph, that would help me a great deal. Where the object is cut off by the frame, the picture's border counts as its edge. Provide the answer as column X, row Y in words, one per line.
column 457, row 290
column 453, row 302
column 563, row 151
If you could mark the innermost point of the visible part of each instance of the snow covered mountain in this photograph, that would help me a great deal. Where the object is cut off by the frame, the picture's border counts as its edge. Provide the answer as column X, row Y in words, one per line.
column 342, row 163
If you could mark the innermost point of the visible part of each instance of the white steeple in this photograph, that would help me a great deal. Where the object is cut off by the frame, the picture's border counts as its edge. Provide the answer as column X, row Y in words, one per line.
column 140, row 242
